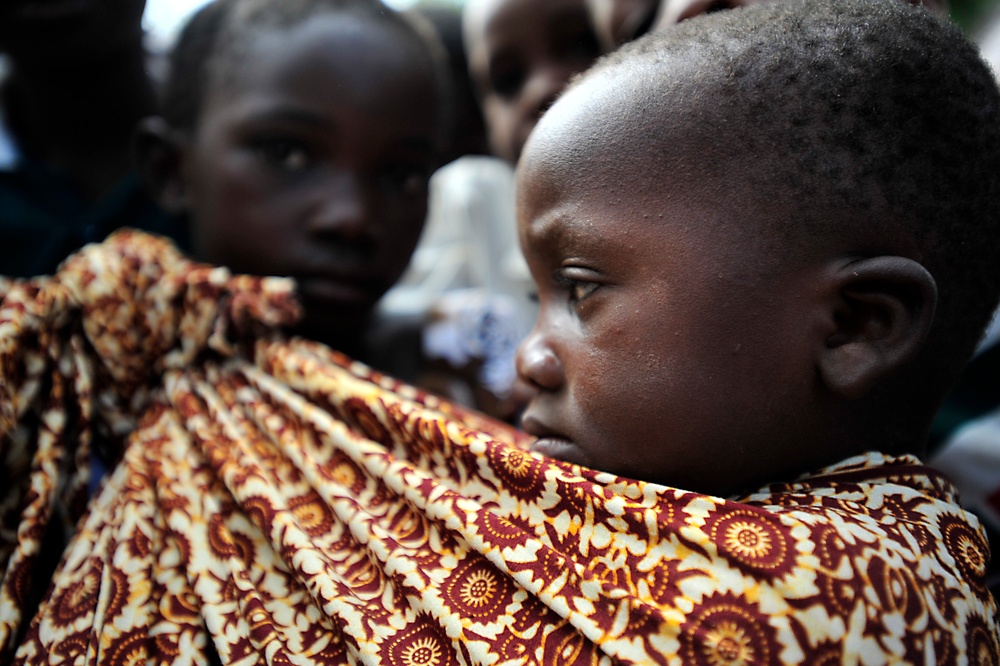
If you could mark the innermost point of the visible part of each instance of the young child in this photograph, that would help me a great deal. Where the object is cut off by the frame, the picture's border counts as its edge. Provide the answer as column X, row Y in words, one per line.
column 522, row 53
column 75, row 85
column 298, row 139
column 759, row 258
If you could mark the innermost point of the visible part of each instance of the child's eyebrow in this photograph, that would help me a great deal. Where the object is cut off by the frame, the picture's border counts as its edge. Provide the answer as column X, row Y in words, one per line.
column 415, row 143
column 289, row 115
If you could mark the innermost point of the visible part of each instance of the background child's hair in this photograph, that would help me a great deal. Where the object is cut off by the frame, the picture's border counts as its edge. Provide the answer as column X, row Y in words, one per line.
column 214, row 37
column 864, row 119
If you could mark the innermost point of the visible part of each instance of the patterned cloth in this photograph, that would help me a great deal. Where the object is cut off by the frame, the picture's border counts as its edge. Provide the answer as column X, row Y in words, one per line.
column 277, row 503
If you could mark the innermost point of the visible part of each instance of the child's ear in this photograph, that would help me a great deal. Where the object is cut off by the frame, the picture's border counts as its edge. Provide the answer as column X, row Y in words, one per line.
column 158, row 151
column 884, row 309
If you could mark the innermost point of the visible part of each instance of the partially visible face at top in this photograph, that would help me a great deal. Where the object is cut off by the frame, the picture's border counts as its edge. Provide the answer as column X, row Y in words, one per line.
column 52, row 31
column 620, row 21
column 665, row 347
column 522, row 53
column 311, row 159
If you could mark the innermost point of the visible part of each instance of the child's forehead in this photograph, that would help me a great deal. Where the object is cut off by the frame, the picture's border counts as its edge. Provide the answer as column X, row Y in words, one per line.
column 335, row 44
column 490, row 21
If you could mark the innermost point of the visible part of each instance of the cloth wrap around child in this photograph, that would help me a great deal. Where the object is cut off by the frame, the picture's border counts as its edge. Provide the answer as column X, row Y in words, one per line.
column 287, row 505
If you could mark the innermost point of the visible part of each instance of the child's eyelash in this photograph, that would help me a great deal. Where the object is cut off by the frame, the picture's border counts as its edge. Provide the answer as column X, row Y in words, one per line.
column 578, row 290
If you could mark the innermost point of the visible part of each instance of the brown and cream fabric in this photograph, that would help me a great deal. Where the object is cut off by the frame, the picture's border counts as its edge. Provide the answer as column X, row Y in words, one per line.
column 277, row 503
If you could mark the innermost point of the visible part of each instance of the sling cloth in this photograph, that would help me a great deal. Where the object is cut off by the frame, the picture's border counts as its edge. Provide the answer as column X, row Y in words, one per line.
column 277, row 503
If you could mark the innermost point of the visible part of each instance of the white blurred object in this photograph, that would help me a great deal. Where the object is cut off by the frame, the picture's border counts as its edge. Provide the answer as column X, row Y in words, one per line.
column 468, row 277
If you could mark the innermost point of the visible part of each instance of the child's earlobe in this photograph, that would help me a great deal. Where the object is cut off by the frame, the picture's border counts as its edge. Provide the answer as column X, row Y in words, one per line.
column 883, row 313
column 157, row 152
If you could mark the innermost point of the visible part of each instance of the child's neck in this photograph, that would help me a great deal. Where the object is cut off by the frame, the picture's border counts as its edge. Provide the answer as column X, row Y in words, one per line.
column 80, row 117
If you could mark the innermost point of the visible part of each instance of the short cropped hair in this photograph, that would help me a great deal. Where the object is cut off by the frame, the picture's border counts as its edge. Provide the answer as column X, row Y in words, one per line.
column 214, row 37
column 872, row 119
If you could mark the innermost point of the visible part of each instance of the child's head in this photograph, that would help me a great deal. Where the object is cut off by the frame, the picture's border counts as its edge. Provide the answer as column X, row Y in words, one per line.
column 522, row 53
column 764, row 241
column 468, row 131
column 298, row 137
column 68, row 34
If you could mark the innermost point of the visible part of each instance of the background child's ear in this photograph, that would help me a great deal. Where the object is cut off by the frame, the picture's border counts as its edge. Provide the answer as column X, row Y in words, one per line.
column 883, row 314
column 158, row 152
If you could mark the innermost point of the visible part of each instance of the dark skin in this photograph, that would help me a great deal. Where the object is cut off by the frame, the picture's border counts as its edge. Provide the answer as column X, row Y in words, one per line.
column 78, row 85
column 620, row 21
column 676, row 342
column 310, row 161
column 522, row 53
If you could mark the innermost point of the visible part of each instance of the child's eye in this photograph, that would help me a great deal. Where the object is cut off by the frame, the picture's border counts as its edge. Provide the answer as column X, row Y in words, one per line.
column 407, row 179
column 577, row 289
column 506, row 80
column 285, row 154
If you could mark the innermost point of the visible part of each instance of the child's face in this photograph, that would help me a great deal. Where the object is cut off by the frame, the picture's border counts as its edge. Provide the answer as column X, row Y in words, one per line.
column 521, row 55
column 620, row 21
column 311, row 160
column 663, row 347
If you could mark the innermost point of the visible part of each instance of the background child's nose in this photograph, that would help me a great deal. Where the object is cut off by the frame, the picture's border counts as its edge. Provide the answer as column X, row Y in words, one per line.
column 342, row 207
column 537, row 363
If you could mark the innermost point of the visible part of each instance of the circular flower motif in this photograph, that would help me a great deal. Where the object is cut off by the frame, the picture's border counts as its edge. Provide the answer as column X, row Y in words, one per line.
column 359, row 414
column 130, row 648
column 420, row 645
column 312, row 514
column 504, row 532
column 476, row 591
column 77, row 599
column 754, row 540
column 516, row 468
column 226, row 543
column 726, row 630
column 982, row 644
column 969, row 550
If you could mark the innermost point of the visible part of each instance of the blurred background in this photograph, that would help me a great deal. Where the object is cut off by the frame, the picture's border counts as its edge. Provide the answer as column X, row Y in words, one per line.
column 163, row 18
column 980, row 18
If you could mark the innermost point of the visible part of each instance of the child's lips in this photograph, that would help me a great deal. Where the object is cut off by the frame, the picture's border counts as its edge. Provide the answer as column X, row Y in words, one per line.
column 337, row 291
column 551, row 443
column 559, row 449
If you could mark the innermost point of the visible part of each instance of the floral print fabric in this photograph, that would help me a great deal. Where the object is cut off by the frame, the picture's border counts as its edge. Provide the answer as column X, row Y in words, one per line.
column 277, row 503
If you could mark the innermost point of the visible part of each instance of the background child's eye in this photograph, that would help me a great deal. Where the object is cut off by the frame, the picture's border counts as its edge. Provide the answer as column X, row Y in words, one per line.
column 407, row 179
column 506, row 79
column 284, row 154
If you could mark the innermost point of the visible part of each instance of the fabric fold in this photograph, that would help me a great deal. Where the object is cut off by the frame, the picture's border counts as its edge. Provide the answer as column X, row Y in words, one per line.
column 277, row 502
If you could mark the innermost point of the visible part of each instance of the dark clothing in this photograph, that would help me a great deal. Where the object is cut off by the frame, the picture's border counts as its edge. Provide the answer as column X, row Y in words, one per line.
column 44, row 218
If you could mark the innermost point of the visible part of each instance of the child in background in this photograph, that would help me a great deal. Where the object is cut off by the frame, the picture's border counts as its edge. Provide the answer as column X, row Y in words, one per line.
column 522, row 54
column 619, row 21
column 75, row 85
column 761, row 257
column 298, row 139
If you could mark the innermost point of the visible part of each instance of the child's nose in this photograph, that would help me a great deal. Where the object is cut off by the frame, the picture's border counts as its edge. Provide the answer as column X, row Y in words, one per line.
column 537, row 363
column 342, row 207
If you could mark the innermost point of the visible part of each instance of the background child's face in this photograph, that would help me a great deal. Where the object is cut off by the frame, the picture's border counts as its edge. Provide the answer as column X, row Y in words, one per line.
column 521, row 56
column 311, row 160
column 662, row 348
column 620, row 21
